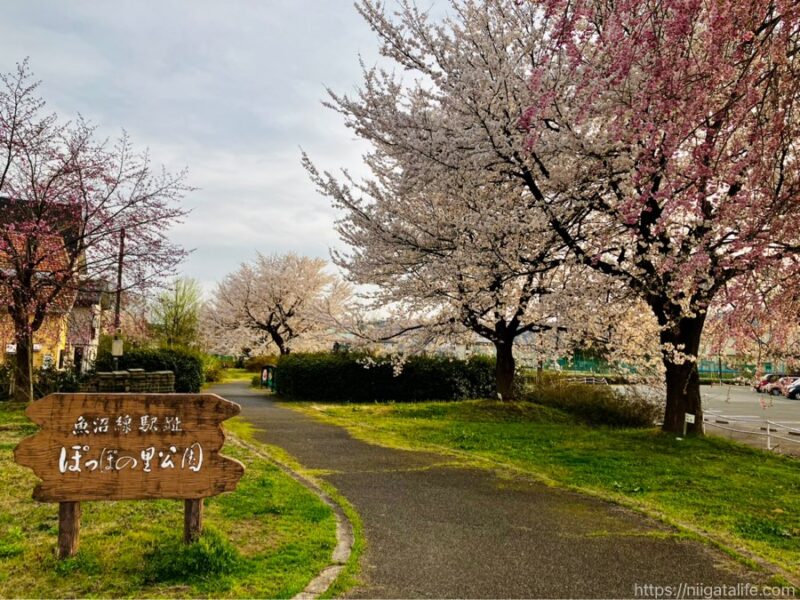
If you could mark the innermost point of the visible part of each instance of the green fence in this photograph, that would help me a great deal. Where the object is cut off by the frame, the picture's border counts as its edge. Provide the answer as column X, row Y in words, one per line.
column 708, row 368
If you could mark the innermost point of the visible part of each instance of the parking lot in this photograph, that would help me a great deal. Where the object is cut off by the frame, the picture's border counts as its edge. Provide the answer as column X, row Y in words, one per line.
column 737, row 400
column 739, row 412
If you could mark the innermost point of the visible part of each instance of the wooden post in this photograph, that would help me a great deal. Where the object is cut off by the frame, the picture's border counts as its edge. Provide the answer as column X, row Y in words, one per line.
column 192, row 520
column 69, row 528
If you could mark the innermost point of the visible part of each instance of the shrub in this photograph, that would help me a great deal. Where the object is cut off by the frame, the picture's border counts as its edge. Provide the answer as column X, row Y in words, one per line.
column 212, row 369
column 225, row 361
column 50, row 381
column 597, row 404
column 45, row 381
column 359, row 377
column 186, row 364
column 254, row 364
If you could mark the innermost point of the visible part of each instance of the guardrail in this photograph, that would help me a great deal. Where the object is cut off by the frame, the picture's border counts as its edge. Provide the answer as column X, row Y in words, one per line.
column 588, row 380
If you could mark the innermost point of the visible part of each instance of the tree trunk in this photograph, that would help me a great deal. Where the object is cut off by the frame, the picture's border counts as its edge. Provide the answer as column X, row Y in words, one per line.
column 23, row 368
column 504, row 369
column 278, row 340
column 682, row 378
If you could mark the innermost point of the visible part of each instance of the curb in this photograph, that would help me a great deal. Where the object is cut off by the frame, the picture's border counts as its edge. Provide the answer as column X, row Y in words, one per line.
column 344, row 528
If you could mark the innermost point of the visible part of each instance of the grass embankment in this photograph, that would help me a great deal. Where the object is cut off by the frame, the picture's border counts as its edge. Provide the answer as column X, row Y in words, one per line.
column 740, row 497
column 269, row 538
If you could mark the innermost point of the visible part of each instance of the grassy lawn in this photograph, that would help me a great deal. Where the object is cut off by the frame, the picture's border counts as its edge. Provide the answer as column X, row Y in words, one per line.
column 269, row 538
column 350, row 576
column 237, row 375
column 740, row 497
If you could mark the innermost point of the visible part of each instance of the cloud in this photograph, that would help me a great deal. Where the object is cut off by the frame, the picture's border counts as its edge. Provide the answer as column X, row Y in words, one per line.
column 229, row 89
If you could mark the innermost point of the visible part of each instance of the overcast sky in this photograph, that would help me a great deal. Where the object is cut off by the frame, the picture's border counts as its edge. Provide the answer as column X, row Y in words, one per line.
column 229, row 89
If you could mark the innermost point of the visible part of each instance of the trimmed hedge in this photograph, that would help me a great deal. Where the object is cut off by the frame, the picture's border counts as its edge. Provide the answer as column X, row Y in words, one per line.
column 187, row 365
column 358, row 377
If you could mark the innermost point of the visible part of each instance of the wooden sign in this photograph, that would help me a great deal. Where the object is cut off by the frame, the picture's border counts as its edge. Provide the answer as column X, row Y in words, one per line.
column 129, row 447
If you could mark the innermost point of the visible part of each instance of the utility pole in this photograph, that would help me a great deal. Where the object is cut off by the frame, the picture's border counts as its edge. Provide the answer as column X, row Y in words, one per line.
column 116, row 344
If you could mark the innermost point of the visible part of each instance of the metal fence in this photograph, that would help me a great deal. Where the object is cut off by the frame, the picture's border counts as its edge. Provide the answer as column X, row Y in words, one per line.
column 773, row 435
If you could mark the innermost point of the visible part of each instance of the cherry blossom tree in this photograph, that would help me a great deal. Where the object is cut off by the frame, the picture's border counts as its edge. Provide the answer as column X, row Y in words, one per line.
column 658, row 138
column 678, row 119
column 755, row 318
column 66, row 200
column 283, row 300
column 461, row 256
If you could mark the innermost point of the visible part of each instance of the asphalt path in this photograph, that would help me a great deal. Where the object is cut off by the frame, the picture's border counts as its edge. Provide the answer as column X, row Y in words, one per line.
column 438, row 530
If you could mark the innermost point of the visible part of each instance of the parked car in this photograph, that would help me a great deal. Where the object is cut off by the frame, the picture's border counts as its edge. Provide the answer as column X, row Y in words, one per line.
column 765, row 380
column 787, row 382
column 777, row 388
column 793, row 390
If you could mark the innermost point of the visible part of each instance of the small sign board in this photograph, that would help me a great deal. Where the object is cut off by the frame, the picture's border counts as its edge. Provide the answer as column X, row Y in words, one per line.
column 689, row 418
column 116, row 347
column 129, row 447
column 12, row 348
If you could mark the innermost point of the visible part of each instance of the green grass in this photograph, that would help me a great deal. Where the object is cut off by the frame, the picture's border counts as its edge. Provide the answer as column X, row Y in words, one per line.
column 349, row 577
column 269, row 538
column 236, row 375
column 740, row 497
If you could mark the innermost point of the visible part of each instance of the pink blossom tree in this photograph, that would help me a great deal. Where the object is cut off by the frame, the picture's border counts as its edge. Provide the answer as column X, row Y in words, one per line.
column 755, row 319
column 658, row 139
column 66, row 200
column 679, row 121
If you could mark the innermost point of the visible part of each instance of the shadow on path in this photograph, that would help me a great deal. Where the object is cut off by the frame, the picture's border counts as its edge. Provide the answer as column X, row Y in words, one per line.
column 440, row 531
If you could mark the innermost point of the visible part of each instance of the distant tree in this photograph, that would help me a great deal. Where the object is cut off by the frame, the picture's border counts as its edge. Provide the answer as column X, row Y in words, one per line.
column 176, row 314
column 284, row 300
column 66, row 200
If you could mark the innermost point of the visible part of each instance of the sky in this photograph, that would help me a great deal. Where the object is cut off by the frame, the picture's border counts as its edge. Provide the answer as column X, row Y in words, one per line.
column 232, row 90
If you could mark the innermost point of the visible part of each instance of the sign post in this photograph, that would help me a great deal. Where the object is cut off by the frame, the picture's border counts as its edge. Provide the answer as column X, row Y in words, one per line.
column 128, row 447
column 116, row 350
column 688, row 418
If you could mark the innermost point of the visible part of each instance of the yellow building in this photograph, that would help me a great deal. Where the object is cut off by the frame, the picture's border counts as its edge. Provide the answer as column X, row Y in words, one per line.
column 49, row 343
column 65, row 340
column 70, row 333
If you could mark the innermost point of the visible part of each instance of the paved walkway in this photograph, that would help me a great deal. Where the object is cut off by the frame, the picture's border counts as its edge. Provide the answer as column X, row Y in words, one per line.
column 434, row 530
